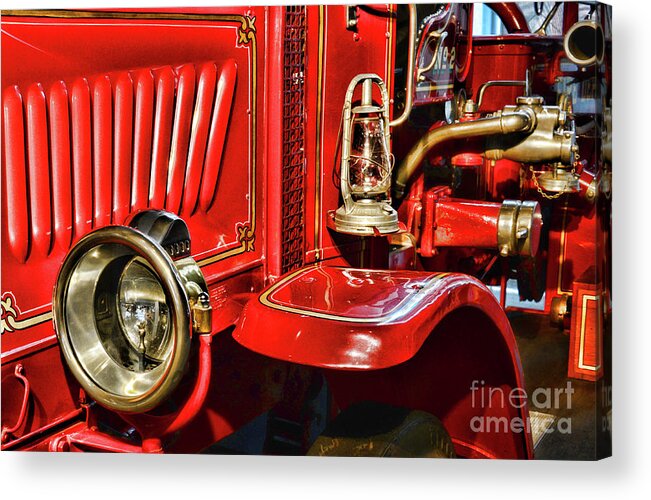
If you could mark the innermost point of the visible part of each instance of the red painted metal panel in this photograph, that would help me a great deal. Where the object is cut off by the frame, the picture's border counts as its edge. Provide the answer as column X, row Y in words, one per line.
column 219, row 232
column 81, row 157
column 39, row 169
column 102, row 149
column 15, row 174
column 123, row 133
column 60, row 161
column 332, row 61
column 226, row 239
column 142, row 136
column 200, row 123
column 576, row 244
column 180, row 137
column 585, row 359
column 274, row 141
column 165, row 82
column 220, row 118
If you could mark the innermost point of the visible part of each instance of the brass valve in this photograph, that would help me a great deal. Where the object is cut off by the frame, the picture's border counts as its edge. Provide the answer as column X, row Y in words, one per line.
column 528, row 132
column 549, row 141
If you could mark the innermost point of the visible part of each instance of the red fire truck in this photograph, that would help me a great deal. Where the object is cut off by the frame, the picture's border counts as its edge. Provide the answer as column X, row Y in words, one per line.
column 213, row 214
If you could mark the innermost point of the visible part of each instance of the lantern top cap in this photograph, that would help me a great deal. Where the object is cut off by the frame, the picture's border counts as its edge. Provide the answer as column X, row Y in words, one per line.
column 366, row 106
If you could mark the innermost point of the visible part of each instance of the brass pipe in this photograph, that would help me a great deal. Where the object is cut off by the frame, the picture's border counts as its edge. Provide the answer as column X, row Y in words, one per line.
column 584, row 43
column 517, row 121
column 497, row 83
column 542, row 31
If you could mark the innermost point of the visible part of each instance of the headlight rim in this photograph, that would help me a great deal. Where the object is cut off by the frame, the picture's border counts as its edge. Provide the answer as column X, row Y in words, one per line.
column 171, row 282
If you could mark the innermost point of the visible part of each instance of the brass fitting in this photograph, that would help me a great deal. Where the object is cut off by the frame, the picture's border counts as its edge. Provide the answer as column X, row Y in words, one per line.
column 518, row 228
column 558, row 180
column 522, row 120
column 528, row 132
column 198, row 298
column 202, row 315
column 547, row 141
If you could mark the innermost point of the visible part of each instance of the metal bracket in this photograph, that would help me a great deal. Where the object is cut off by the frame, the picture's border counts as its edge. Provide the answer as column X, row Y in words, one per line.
column 352, row 17
column 7, row 431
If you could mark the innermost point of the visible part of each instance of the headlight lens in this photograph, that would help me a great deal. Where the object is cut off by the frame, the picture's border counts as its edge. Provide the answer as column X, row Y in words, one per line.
column 144, row 314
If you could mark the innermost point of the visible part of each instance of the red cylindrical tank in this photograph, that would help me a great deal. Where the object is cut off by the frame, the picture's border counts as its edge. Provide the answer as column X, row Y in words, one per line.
column 499, row 58
column 465, row 223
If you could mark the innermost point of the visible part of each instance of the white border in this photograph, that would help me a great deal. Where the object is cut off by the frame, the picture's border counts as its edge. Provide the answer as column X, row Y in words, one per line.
column 624, row 476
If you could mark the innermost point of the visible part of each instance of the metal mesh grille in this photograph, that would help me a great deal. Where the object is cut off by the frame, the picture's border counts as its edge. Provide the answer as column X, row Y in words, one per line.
column 293, row 176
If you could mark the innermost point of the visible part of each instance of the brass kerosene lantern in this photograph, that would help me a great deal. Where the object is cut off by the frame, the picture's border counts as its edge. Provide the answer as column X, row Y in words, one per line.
column 366, row 163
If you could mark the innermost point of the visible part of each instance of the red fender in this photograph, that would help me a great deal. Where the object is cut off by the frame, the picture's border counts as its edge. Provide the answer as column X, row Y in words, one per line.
column 359, row 319
column 407, row 338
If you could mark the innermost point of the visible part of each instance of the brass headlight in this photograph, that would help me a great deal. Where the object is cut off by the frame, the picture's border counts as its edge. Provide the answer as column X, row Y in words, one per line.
column 122, row 310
